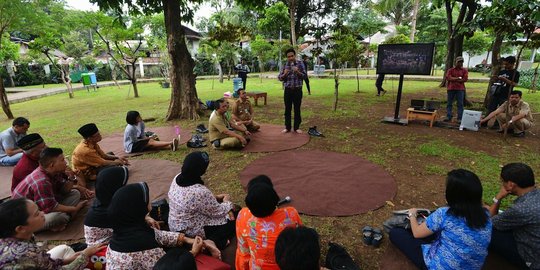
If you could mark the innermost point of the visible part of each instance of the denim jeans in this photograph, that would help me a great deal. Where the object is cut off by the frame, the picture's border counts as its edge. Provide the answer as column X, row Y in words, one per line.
column 10, row 160
column 459, row 95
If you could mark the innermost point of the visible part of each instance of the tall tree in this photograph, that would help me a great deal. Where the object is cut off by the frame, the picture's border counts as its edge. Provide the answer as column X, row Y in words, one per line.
column 274, row 20
column 20, row 15
column 476, row 45
column 9, row 52
column 397, row 11
column 184, row 101
column 456, row 30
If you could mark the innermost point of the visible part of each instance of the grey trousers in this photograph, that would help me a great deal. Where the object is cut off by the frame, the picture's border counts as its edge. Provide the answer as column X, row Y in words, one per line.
column 55, row 219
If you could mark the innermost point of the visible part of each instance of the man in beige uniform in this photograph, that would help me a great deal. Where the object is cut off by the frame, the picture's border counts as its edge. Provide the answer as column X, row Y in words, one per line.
column 223, row 132
column 242, row 112
column 520, row 115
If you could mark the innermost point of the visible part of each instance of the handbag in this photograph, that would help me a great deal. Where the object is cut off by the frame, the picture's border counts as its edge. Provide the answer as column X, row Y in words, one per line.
column 400, row 219
column 495, row 89
column 160, row 210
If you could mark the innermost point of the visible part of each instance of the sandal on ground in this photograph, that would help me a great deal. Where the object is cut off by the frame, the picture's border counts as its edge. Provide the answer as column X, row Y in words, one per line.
column 377, row 237
column 367, row 235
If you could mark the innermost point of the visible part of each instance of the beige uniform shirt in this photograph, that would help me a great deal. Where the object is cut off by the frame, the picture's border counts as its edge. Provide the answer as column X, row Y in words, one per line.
column 216, row 126
column 242, row 110
column 521, row 107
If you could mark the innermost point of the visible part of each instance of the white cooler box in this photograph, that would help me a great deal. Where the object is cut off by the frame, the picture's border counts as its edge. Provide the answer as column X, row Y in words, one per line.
column 470, row 120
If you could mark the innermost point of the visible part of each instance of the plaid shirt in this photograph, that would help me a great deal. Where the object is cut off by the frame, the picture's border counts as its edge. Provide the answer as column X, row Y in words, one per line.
column 40, row 188
column 292, row 80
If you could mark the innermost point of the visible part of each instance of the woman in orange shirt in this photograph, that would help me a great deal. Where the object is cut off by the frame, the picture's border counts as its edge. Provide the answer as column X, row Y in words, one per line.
column 259, row 225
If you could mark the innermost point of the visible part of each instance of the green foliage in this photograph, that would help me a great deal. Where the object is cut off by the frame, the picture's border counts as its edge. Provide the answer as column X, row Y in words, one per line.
column 399, row 12
column 477, row 44
column 8, row 50
column 365, row 22
column 397, row 39
column 276, row 17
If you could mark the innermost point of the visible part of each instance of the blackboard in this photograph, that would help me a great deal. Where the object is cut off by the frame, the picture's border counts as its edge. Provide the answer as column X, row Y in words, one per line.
column 408, row 59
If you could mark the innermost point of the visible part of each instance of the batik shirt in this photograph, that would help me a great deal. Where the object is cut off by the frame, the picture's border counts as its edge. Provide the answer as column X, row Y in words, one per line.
column 257, row 237
column 292, row 79
column 18, row 254
column 457, row 246
column 193, row 207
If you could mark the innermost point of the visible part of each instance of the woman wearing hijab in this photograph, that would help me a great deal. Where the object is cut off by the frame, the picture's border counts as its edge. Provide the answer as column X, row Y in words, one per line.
column 259, row 225
column 134, row 245
column 193, row 207
column 135, row 139
column 97, row 225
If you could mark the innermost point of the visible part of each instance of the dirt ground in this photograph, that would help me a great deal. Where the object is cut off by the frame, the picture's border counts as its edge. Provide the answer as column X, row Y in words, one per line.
column 356, row 128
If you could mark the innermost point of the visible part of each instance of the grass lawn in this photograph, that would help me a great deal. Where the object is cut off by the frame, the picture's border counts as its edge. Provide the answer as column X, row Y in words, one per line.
column 417, row 156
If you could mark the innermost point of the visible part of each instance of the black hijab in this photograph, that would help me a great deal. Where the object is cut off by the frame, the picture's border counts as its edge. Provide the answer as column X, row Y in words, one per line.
column 195, row 165
column 127, row 211
column 108, row 181
column 261, row 198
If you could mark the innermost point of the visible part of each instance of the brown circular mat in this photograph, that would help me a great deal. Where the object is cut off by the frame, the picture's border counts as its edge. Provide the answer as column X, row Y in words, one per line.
column 115, row 142
column 325, row 183
column 6, row 173
column 270, row 139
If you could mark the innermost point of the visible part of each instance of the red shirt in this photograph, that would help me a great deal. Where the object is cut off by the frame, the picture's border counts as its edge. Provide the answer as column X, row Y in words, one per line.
column 41, row 188
column 24, row 167
column 457, row 72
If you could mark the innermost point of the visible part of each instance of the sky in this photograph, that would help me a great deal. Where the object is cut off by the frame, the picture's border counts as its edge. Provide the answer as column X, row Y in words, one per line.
column 204, row 11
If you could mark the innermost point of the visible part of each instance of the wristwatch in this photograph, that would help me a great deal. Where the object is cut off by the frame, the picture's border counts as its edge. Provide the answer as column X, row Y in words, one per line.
column 495, row 200
column 510, row 122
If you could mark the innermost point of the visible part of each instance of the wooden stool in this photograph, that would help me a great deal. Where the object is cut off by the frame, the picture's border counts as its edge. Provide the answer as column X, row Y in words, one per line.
column 413, row 114
column 256, row 95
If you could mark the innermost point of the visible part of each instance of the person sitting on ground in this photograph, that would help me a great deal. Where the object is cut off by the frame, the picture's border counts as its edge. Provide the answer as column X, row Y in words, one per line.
column 242, row 112
column 516, row 231
column 298, row 249
column 19, row 220
column 97, row 225
column 194, row 209
column 223, row 132
column 10, row 154
column 58, row 197
column 135, row 245
column 88, row 157
column 258, row 226
column 519, row 114
column 453, row 237
column 33, row 145
column 135, row 139
column 179, row 258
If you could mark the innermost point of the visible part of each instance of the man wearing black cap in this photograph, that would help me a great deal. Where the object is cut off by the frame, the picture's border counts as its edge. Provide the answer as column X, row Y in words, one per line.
column 10, row 154
column 32, row 146
column 88, row 157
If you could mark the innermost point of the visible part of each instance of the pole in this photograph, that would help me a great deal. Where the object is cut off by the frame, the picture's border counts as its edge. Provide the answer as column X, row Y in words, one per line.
column 279, row 64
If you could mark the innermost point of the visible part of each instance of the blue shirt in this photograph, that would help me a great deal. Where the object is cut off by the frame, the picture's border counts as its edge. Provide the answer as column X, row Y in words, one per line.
column 8, row 140
column 458, row 246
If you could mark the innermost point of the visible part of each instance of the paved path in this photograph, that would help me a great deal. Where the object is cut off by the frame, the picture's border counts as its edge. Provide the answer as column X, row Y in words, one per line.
column 21, row 94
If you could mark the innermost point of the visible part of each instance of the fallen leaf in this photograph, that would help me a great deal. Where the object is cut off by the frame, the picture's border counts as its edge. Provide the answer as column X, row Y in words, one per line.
column 390, row 203
column 434, row 203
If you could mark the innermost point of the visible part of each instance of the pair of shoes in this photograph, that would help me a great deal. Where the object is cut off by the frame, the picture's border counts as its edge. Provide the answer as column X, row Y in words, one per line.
column 519, row 134
column 314, row 132
column 372, row 236
column 201, row 129
column 174, row 144
column 196, row 141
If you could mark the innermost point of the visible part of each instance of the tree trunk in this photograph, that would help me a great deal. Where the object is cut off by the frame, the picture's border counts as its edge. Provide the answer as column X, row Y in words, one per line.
column 66, row 80
column 450, row 43
column 292, row 9
column 357, row 80
column 184, row 101
column 220, row 70
column 133, row 79
column 4, row 100
column 413, row 21
column 495, row 65
column 11, row 81
column 113, row 77
column 535, row 77
column 336, row 86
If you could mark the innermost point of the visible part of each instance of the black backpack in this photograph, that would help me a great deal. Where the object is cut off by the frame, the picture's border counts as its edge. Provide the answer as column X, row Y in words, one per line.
column 339, row 258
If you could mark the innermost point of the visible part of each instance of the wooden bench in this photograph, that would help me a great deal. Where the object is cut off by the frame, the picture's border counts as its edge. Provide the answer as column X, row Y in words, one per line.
column 256, row 95
column 413, row 114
